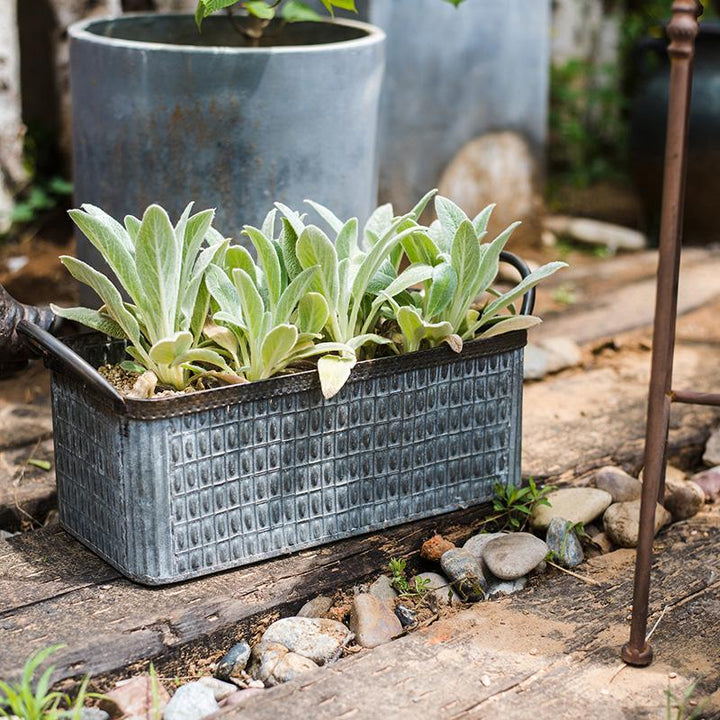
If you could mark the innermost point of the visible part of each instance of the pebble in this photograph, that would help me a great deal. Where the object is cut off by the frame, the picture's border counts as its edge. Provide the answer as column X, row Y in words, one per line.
column 434, row 548
column 220, row 689
column 465, row 573
column 290, row 666
column 564, row 543
column 383, row 590
column 711, row 456
column 476, row 545
column 536, row 362
column 135, row 697
column 603, row 542
column 191, row 702
column 266, row 657
column 316, row 608
column 373, row 622
column 440, row 587
column 685, row 502
column 621, row 486
column 234, row 662
column 621, row 522
column 240, row 697
column 709, row 481
column 563, row 353
column 485, row 680
column 319, row 639
column 572, row 504
column 93, row 713
column 405, row 615
column 512, row 556
column 506, row 587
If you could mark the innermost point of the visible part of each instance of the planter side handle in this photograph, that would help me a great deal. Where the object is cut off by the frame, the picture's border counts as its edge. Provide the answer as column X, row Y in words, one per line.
column 49, row 346
column 528, row 304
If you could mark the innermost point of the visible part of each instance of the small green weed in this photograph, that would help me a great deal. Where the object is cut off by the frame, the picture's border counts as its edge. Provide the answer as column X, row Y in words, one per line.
column 35, row 701
column 420, row 587
column 514, row 505
column 678, row 708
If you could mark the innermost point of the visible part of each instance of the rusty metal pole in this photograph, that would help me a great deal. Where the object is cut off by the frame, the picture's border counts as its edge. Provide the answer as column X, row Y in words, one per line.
column 682, row 30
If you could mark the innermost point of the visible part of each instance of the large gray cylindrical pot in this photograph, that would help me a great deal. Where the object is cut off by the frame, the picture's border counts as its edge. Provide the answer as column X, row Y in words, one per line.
column 162, row 113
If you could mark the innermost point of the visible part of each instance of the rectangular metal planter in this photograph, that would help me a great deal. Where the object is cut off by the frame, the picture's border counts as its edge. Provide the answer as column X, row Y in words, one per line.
column 170, row 489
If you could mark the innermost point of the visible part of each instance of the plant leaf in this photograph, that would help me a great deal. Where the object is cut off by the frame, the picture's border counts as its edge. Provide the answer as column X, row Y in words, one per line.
column 168, row 350
column 109, row 294
column 513, row 322
column 92, row 319
column 442, row 289
column 334, row 372
column 277, row 346
column 269, row 262
column 294, row 293
column 313, row 313
column 158, row 265
column 314, row 248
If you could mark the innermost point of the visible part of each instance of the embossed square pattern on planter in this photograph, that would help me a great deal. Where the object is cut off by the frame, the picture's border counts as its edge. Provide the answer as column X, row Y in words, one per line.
column 173, row 488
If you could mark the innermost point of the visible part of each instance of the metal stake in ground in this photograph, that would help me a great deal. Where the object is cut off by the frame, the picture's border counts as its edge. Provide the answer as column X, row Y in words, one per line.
column 682, row 31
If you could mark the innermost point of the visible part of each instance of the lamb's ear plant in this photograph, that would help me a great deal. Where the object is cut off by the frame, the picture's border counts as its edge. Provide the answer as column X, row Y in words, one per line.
column 349, row 275
column 267, row 319
column 456, row 268
column 162, row 270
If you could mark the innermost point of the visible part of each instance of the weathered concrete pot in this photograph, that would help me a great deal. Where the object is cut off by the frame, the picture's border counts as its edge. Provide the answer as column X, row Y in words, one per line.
column 452, row 75
column 165, row 114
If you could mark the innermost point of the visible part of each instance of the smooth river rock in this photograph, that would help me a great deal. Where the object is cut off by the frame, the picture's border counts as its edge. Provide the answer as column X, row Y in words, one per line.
column 193, row 701
column 319, row 639
column 685, row 501
column 572, row 504
column 621, row 522
column 476, row 544
column 511, row 556
column 373, row 621
column 465, row 573
column 621, row 486
column 234, row 661
column 564, row 543
column 709, row 481
column 711, row 455
column 316, row 608
column 383, row 590
column 440, row 587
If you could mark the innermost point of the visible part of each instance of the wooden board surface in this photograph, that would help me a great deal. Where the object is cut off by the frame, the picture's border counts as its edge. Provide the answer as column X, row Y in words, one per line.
column 549, row 653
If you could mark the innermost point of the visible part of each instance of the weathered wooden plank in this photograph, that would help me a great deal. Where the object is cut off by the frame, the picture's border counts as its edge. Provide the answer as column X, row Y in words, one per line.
column 578, row 421
column 108, row 622
column 548, row 653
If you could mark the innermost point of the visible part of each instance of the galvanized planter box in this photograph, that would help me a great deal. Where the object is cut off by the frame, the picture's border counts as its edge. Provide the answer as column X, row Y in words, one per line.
column 170, row 489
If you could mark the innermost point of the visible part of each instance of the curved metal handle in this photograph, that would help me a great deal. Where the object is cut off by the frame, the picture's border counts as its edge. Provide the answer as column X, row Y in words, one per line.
column 14, row 351
column 59, row 353
column 528, row 304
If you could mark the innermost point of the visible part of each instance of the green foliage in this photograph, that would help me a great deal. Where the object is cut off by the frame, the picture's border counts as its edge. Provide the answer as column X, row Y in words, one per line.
column 162, row 270
column 678, row 707
column 400, row 582
column 514, row 505
column 334, row 298
column 31, row 700
column 268, row 318
column 588, row 130
column 261, row 12
column 38, row 199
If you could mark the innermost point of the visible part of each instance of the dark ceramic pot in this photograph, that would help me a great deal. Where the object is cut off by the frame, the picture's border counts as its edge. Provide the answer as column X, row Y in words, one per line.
column 647, row 135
